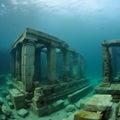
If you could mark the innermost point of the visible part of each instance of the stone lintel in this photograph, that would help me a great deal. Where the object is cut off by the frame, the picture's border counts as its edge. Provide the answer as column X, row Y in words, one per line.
column 111, row 43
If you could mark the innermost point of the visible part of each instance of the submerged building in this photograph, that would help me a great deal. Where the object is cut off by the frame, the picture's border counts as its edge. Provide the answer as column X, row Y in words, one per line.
column 111, row 68
column 47, row 74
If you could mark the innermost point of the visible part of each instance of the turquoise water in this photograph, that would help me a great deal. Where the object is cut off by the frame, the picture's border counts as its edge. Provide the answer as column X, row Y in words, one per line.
column 83, row 24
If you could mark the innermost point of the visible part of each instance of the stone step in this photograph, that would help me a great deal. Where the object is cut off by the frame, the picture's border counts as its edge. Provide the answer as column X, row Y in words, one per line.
column 79, row 94
column 63, row 94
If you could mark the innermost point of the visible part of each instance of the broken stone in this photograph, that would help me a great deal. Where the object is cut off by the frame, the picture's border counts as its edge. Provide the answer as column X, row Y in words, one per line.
column 58, row 105
column 70, row 108
column 17, row 98
column 22, row 113
column 6, row 110
column 87, row 115
column 98, row 103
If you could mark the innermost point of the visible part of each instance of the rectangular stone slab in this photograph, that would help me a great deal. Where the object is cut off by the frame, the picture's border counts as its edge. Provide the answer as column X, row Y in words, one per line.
column 17, row 98
column 98, row 103
column 87, row 115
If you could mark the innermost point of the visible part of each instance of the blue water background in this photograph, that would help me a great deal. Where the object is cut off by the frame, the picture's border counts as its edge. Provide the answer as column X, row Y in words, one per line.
column 83, row 24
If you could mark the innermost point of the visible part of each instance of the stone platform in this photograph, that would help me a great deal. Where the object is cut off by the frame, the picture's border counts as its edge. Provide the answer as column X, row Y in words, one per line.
column 113, row 89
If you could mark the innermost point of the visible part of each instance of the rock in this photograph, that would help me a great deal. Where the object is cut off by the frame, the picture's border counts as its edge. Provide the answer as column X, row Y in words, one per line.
column 22, row 112
column 98, row 103
column 87, row 115
column 70, row 108
column 5, row 110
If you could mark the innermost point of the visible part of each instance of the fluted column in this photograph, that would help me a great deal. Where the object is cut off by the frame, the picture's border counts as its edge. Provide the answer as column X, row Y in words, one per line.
column 28, row 68
column 51, row 64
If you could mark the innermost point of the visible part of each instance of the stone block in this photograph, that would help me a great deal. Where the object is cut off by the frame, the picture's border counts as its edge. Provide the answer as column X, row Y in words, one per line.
column 58, row 105
column 78, row 94
column 17, row 98
column 6, row 110
column 38, row 102
column 87, row 115
column 39, row 111
column 70, row 108
column 98, row 103
column 22, row 113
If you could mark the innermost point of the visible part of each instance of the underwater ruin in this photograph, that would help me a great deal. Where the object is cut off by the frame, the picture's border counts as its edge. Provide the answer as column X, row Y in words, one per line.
column 111, row 69
column 47, row 74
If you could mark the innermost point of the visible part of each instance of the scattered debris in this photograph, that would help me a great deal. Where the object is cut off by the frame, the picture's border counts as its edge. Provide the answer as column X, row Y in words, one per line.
column 22, row 113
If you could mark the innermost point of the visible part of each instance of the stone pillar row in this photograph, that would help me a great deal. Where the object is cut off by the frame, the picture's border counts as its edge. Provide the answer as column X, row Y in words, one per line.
column 26, row 65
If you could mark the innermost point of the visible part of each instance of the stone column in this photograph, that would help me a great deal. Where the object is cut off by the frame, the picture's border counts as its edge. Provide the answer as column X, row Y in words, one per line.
column 13, row 56
column 75, row 65
column 18, row 63
column 28, row 68
column 37, row 75
column 66, row 65
column 82, row 67
column 51, row 64
column 106, row 64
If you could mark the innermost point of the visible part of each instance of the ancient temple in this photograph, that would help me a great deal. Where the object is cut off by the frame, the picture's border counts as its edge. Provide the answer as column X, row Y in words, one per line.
column 111, row 68
column 45, row 73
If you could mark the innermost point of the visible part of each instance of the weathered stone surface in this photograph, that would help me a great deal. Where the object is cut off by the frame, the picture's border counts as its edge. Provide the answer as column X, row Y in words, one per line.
column 6, row 110
column 17, row 98
column 38, row 99
column 39, row 111
column 80, row 93
column 27, row 69
column 87, row 115
column 98, row 103
column 58, row 105
column 22, row 112
column 48, row 109
column 70, row 108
